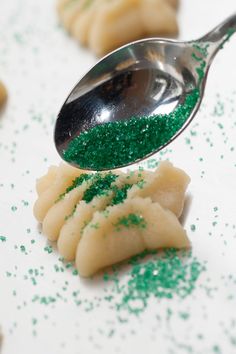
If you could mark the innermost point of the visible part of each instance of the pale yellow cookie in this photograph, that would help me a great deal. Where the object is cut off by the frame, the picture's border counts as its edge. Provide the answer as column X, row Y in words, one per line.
column 70, row 10
column 173, row 3
column 82, row 25
column 48, row 197
column 72, row 230
column 57, row 214
column 3, row 94
column 78, row 210
column 167, row 186
column 109, row 239
column 105, row 25
column 46, row 181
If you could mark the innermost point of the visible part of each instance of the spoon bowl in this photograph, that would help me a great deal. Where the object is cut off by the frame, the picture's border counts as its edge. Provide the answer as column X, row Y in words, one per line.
column 146, row 78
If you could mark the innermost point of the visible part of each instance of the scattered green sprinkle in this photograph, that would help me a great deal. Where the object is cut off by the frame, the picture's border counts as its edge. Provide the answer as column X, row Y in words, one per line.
column 164, row 277
column 48, row 249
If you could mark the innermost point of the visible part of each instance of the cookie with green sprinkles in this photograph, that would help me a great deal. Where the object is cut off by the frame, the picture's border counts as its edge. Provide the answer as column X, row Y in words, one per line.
column 51, row 186
column 107, row 189
column 123, row 212
column 130, row 228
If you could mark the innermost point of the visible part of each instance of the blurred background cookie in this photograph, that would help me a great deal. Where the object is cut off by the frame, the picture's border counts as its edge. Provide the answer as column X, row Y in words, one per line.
column 3, row 94
column 104, row 26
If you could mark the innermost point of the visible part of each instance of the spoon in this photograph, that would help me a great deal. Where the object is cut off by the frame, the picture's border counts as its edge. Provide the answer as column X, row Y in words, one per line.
column 155, row 80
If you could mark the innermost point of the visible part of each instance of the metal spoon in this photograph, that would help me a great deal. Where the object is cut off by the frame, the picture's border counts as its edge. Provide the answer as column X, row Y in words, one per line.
column 144, row 78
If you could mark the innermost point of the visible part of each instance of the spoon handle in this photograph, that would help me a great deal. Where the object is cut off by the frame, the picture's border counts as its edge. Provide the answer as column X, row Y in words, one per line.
column 216, row 38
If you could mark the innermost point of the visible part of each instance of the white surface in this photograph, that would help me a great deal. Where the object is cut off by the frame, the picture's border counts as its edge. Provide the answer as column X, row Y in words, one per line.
column 40, row 64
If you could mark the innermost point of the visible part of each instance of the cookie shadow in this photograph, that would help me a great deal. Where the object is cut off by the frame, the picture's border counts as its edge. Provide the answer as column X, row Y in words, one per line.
column 186, row 210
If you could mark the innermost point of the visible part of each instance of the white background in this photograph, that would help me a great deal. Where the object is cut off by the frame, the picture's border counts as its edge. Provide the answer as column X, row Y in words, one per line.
column 40, row 64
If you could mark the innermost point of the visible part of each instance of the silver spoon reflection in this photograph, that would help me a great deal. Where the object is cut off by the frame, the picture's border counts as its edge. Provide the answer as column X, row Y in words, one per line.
column 146, row 78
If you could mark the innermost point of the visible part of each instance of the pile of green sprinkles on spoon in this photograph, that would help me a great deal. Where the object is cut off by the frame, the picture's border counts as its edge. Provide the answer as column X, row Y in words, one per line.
column 120, row 143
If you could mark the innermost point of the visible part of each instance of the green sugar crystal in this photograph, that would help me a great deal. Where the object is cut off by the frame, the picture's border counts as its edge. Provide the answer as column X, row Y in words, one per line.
column 120, row 194
column 101, row 184
column 120, row 143
column 131, row 220
column 76, row 183
column 163, row 277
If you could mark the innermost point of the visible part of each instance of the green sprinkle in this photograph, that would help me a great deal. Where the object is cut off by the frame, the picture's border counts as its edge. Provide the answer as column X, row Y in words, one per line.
column 18, row 38
column 184, row 315
column 71, row 214
column 34, row 321
column 120, row 194
column 101, row 184
column 152, row 163
column 94, row 226
column 76, row 183
column 216, row 349
column 120, row 143
column 219, row 111
column 23, row 249
column 44, row 300
column 48, row 249
column 164, row 277
column 25, row 203
column 141, row 184
column 194, row 56
column 130, row 221
column 201, row 70
column 3, row 238
column 202, row 49
column 104, row 212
